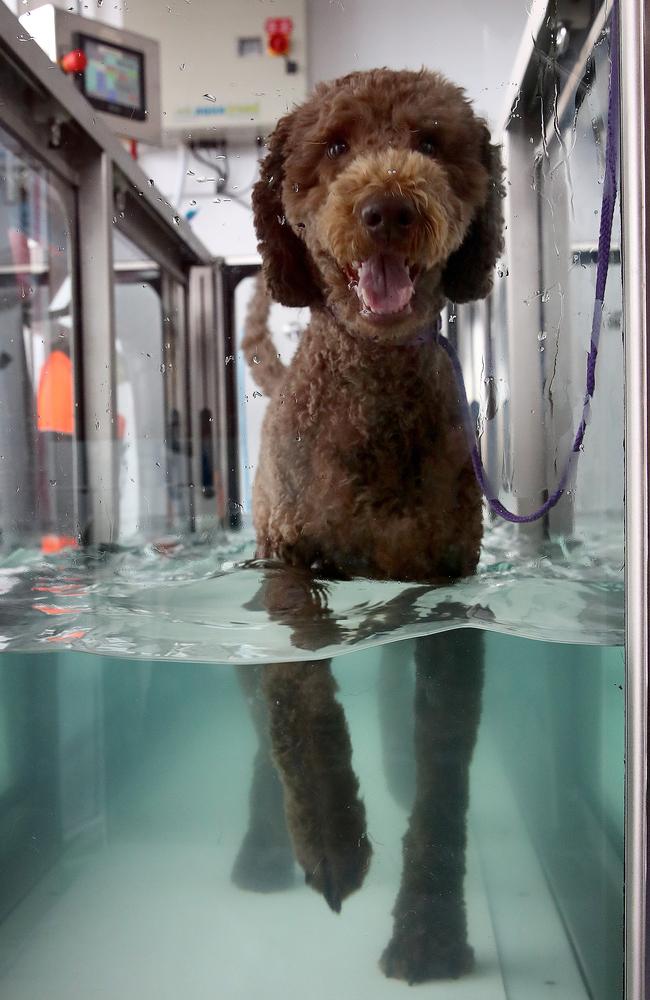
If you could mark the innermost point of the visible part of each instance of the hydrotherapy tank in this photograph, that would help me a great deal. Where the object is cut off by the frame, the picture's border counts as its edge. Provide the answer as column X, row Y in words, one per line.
column 137, row 857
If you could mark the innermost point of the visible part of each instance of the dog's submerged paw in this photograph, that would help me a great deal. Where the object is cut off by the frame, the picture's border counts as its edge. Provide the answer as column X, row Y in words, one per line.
column 340, row 872
column 263, row 867
column 428, row 943
column 422, row 961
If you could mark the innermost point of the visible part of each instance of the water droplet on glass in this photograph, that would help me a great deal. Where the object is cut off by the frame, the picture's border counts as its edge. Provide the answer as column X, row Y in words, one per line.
column 546, row 295
column 150, row 182
column 176, row 220
column 210, row 97
column 162, row 369
column 52, row 482
column 296, row 188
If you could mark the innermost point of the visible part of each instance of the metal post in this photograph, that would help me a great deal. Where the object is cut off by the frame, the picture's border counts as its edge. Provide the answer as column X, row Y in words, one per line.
column 523, row 286
column 98, row 347
column 635, row 150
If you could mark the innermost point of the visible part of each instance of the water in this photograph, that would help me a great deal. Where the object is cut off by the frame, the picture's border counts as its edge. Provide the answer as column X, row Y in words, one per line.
column 209, row 602
column 144, row 847
column 126, row 792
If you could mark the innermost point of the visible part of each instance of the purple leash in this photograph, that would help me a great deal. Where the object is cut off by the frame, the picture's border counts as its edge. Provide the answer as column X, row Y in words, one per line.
column 604, row 245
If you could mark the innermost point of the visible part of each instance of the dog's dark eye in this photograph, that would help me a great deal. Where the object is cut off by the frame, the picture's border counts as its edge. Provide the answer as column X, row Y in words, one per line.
column 427, row 145
column 336, row 148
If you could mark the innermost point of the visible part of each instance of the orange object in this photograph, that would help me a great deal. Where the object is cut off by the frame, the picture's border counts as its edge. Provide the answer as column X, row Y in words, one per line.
column 74, row 61
column 55, row 402
column 67, row 636
column 51, row 609
column 51, row 544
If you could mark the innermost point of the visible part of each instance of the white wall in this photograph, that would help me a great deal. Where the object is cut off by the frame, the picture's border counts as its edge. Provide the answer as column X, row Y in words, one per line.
column 473, row 42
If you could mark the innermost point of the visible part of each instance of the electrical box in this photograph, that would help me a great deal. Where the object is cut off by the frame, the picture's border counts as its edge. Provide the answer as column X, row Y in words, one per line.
column 229, row 68
column 118, row 71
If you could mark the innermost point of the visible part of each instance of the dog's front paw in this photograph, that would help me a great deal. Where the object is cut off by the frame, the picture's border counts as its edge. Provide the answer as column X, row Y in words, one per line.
column 263, row 867
column 339, row 871
column 427, row 945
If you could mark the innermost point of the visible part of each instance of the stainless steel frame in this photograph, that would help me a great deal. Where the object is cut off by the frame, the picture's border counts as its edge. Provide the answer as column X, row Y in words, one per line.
column 635, row 177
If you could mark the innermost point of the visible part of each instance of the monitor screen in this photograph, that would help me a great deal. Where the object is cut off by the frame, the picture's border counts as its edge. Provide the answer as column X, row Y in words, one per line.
column 113, row 79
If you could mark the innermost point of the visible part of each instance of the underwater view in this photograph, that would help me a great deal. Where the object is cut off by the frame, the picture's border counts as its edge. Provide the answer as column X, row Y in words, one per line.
column 147, row 825
column 313, row 500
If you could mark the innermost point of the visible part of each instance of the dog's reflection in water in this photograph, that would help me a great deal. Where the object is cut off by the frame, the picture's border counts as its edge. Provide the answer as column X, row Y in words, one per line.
column 305, row 799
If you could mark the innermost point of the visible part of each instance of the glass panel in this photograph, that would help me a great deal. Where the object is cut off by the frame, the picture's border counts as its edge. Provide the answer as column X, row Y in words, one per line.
column 39, row 496
column 336, row 750
column 150, row 334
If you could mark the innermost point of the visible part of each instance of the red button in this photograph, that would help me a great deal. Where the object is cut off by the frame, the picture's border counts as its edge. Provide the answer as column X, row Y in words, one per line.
column 73, row 62
column 278, row 44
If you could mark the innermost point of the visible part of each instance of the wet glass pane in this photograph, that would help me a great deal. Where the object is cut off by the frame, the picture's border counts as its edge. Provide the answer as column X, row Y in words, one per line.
column 332, row 703
column 152, row 438
column 39, row 463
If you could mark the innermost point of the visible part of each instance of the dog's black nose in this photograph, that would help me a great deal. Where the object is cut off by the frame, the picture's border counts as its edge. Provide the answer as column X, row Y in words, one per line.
column 388, row 216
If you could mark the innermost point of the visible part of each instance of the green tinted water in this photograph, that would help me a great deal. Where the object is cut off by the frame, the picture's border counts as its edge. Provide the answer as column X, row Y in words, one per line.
column 125, row 798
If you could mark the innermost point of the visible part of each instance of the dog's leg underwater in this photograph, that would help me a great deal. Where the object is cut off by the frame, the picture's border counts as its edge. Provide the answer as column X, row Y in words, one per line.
column 312, row 750
column 265, row 862
column 396, row 719
column 430, row 926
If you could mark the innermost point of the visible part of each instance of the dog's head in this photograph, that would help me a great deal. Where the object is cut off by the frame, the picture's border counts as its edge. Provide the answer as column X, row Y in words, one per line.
column 380, row 197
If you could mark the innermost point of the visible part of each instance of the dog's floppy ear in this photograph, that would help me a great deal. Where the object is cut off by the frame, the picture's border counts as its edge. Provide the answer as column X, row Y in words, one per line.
column 287, row 270
column 469, row 271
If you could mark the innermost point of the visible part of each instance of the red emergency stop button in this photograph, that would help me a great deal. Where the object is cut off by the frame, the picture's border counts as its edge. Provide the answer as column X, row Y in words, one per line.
column 278, row 35
column 278, row 45
column 74, row 61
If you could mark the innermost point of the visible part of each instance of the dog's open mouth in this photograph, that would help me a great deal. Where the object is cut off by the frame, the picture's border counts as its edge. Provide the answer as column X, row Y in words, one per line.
column 384, row 284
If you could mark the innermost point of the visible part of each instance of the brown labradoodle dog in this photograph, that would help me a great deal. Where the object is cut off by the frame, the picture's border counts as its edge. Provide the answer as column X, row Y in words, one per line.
column 378, row 201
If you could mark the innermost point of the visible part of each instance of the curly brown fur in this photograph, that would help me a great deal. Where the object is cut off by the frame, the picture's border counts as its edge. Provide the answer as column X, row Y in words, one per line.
column 363, row 465
column 258, row 348
column 311, row 747
column 265, row 862
column 378, row 201
column 430, row 926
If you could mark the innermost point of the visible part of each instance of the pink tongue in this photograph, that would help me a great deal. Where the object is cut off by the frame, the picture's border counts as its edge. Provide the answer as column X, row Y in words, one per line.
column 384, row 283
